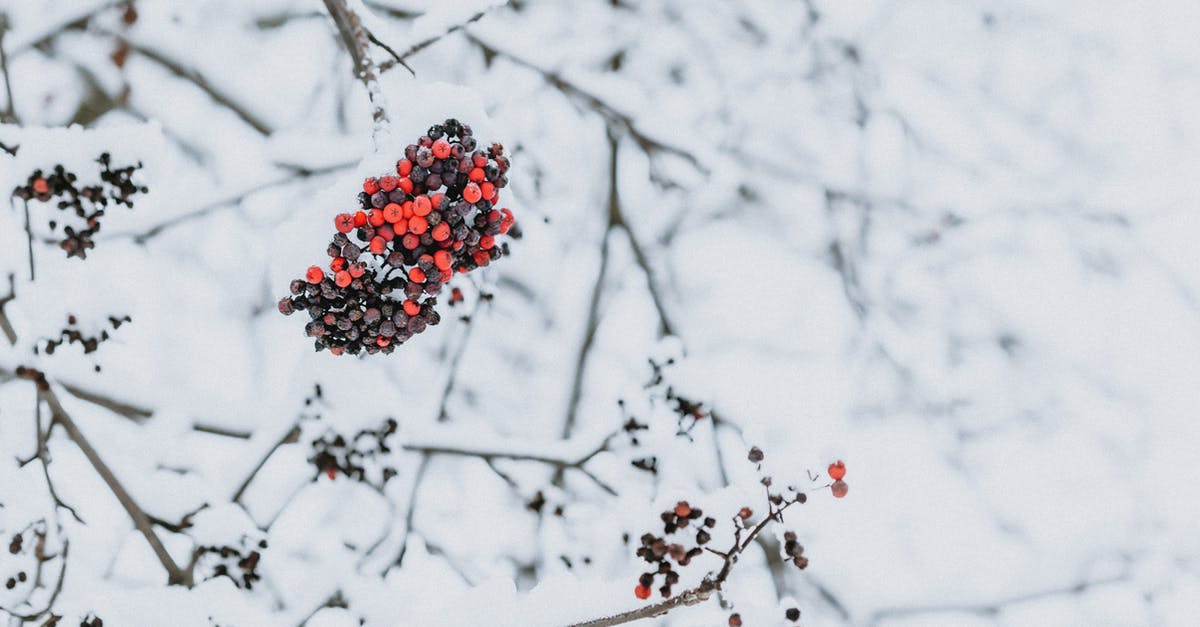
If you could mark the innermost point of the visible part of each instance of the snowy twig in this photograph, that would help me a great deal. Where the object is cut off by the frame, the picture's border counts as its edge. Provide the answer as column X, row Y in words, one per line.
column 59, row 415
column 357, row 42
column 5, row 325
column 290, row 436
column 8, row 114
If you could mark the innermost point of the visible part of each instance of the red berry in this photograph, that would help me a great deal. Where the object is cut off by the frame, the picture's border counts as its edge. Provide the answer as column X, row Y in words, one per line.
column 436, row 200
column 406, row 184
column 482, row 258
column 441, row 232
column 375, row 218
column 411, row 307
column 377, row 245
column 360, row 219
column 441, row 149
column 416, row 275
column 471, row 193
column 370, row 186
column 386, row 232
column 41, row 186
column 343, row 222
column 837, row 470
column 314, row 275
column 479, row 159
column 476, row 175
column 642, row 592
column 338, row 264
column 422, row 206
column 342, row 279
column 487, row 189
column 357, row 269
column 682, row 509
column 337, row 350
column 403, row 167
column 839, row 488
column 456, row 295
column 411, row 241
column 486, row 242
column 442, row 258
column 446, row 276
column 418, row 225
column 332, row 472
column 745, row 513
column 388, row 183
column 392, row 212
column 382, row 341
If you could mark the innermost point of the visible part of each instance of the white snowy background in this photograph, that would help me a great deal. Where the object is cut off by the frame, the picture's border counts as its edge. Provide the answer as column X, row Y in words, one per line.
column 952, row 243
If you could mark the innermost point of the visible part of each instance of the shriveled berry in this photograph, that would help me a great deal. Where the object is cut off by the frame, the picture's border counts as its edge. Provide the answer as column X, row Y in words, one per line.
column 839, row 488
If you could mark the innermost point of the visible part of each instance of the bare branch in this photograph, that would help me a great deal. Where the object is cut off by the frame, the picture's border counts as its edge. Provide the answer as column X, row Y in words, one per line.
column 8, row 114
column 356, row 40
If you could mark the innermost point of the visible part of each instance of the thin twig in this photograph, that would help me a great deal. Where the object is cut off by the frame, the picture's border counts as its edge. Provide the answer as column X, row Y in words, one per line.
column 8, row 114
column 292, row 435
column 5, row 325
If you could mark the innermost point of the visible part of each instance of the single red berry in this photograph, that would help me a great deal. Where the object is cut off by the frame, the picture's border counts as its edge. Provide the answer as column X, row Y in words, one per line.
column 343, row 222
column 446, row 276
column 441, row 258
column 441, row 232
column 338, row 264
column 422, row 206
column 403, row 167
column 382, row 341
column 388, row 183
column 486, row 242
column 314, row 275
column 392, row 212
column 837, row 470
column 332, row 472
column 41, row 186
column 642, row 592
column 682, row 509
column 479, row 159
column 482, row 258
column 377, row 245
column 386, row 232
column 370, row 186
column 487, row 189
column 360, row 218
column 357, row 269
column 342, row 279
column 839, row 488
column 476, row 175
column 441, row 149
column 416, row 275
column 494, row 216
column 375, row 218
column 411, row 241
column 745, row 513
column 337, row 350
column 411, row 307
column 436, row 200
column 456, row 295
column 471, row 193
column 418, row 225
column 406, row 184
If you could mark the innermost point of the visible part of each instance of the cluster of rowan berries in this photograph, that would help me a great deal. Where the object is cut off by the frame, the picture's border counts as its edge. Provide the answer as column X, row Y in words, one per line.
column 655, row 550
column 239, row 564
column 72, row 335
column 334, row 453
column 437, row 215
column 87, row 202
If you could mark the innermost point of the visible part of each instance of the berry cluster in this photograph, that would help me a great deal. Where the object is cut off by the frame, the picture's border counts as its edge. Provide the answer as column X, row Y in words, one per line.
column 14, row 548
column 837, row 470
column 436, row 216
column 333, row 453
column 87, row 202
column 239, row 564
column 72, row 335
column 656, row 551
column 93, row 621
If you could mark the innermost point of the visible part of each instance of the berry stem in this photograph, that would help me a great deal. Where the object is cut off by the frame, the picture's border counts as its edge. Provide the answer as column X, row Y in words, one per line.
column 357, row 42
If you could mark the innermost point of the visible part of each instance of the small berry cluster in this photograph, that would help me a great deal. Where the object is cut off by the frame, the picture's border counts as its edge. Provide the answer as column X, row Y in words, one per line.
column 33, row 374
column 14, row 548
column 88, row 202
column 93, row 621
column 436, row 216
column 239, row 564
column 333, row 453
column 72, row 335
column 837, row 470
column 656, row 551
